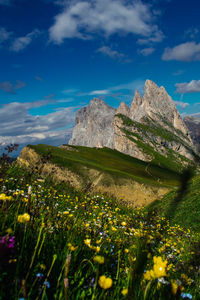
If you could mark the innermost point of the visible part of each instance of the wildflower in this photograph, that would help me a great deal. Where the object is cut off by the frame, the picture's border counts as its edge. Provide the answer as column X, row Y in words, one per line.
column 47, row 284
column 7, row 242
column 124, row 292
column 9, row 231
column 87, row 242
column 105, row 282
column 174, row 287
column 186, row 296
column 3, row 197
column 113, row 228
column 149, row 275
column 97, row 249
column 71, row 247
column 159, row 267
column 42, row 266
column 39, row 275
column 123, row 223
column 23, row 218
column 99, row 259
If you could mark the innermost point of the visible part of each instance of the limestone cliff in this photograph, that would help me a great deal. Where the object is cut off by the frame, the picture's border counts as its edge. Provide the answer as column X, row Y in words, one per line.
column 94, row 125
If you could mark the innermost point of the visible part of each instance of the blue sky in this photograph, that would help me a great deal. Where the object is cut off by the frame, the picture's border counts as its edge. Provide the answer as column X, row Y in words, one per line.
column 56, row 55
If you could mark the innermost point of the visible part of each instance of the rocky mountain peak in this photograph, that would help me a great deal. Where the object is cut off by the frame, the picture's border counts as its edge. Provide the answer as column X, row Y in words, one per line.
column 94, row 125
column 123, row 109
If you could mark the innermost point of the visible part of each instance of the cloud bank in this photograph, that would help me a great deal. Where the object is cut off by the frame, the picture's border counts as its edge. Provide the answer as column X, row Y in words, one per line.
column 83, row 19
column 19, row 126
column 189, row 51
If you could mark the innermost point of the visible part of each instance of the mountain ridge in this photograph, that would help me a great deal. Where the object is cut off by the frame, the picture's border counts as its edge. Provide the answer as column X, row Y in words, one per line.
column 154, row 125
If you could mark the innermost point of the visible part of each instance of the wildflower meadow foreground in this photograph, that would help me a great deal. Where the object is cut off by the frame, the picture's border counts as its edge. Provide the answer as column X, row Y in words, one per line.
column 57, row 243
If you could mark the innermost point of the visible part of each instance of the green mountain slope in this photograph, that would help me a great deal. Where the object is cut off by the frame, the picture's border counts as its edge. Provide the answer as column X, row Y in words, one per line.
column 102, row 170
column 110, row 161
column 181, row 207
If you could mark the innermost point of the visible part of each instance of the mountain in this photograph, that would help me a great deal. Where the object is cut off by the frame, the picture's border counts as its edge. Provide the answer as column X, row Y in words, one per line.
column 94, row 125
column 193, row 125
column 151, row 129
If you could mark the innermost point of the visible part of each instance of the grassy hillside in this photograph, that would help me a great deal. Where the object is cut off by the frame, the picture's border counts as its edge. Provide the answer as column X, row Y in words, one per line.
column 119, row 165
column 181, row 207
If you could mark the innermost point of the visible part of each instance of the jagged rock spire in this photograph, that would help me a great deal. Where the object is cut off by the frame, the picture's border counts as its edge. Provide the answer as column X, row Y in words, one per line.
column 123, row 109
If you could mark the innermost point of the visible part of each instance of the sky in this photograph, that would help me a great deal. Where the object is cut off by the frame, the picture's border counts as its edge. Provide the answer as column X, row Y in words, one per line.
column 56, row 55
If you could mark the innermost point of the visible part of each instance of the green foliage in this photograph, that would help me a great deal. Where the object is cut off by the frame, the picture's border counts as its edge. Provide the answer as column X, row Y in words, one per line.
column 53, row 253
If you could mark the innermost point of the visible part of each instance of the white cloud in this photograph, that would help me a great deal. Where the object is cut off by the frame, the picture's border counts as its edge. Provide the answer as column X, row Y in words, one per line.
column 99, row 92
column 156, row 38
column 147, row 51
column 130, row 86
column 4, row 35
column 21, row 43
column 109, row 52
column 81, row 19
column 19, row 126
column 181, row 104
column 192, row 87
column 189, row 51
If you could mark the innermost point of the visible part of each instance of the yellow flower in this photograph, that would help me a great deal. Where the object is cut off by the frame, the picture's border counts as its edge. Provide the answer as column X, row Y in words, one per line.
column 87, row 242
column 113, row 228
column 23, row 218
column 149, row 275
column 99, row 259
column 123, row 223
column 9, row 230
column 124, row 292
column 159, row 267
column 126, row 250
column 105, row 282
column 3, row 197
column 97, row 249
column 174, row 287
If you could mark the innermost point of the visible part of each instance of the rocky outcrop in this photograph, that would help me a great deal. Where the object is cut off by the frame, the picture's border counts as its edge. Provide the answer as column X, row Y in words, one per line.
column 123, row 109
column 153, row 124
column 94, row 125
column 193, row 125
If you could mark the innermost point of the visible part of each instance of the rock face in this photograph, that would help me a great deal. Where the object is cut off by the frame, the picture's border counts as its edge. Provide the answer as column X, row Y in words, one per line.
column 152, row 124
column 94, row 125
column 193, row 125
column 157, row 105
column 124, row 110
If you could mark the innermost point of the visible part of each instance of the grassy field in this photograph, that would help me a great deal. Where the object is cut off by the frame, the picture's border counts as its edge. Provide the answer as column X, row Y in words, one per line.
column 119, row 165
column 57, row 243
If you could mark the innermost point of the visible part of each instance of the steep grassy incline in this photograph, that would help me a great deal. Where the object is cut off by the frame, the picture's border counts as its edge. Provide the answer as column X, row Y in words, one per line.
column 119, row 165
column 182, row 207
